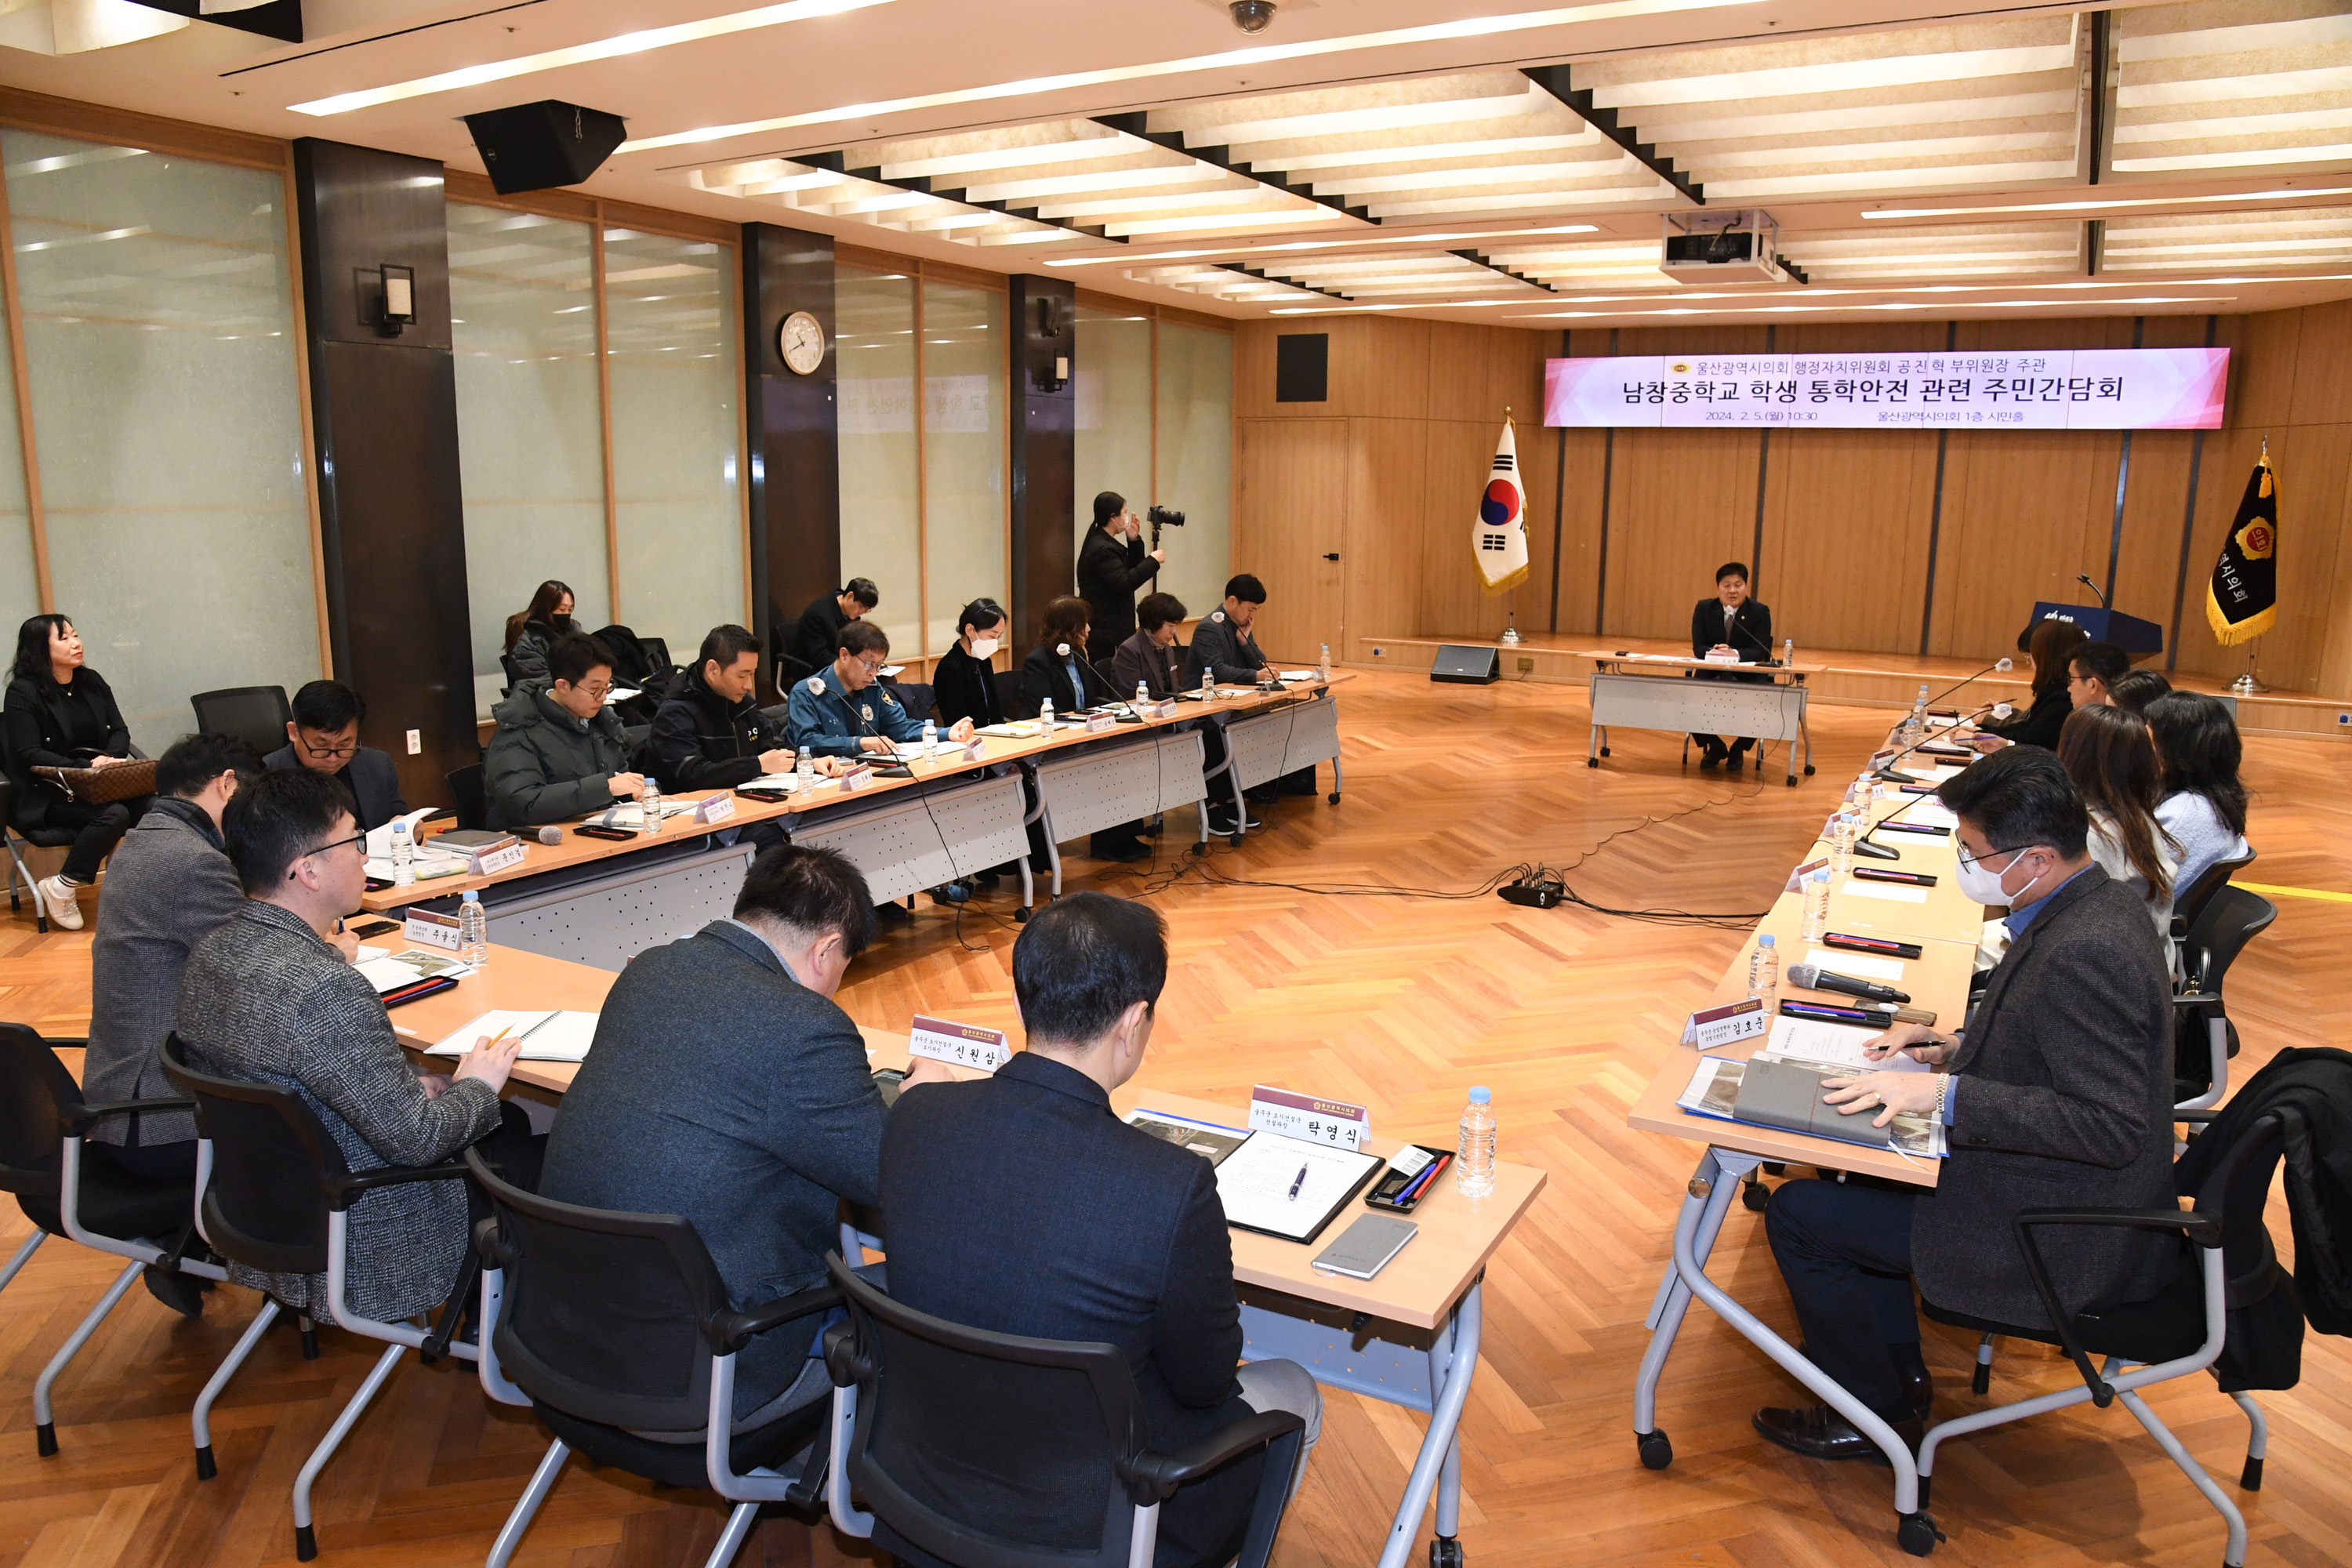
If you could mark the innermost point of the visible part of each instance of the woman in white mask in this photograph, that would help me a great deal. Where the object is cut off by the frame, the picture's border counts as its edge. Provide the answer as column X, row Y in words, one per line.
column 963, row 682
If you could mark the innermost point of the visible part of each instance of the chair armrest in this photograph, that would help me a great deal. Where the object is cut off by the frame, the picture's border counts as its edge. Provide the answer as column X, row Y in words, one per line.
column 91, row 1115
column 841, row 1357
column 2200, row 1118
column 1153, row 1478
column 730, row 1330
column 2200, row 1227
column 2197, row 999
column 345, row 1190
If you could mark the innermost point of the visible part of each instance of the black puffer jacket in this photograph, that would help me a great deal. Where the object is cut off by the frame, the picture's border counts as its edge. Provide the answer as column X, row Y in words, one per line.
column 701, row 741
column 544, row 765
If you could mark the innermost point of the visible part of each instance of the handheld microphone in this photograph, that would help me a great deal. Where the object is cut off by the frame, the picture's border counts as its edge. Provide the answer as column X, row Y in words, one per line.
column 2084, row 579
column 1814, row 978
column 550, row 836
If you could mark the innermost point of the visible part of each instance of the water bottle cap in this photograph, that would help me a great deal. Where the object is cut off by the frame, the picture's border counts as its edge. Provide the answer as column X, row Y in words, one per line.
column 1764, row 940
column 1822, row 877
column 1481, row 1095
column 473, row 896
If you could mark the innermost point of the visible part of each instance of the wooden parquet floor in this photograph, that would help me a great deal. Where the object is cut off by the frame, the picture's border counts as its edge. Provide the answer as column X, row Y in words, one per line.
column 1400, row 1003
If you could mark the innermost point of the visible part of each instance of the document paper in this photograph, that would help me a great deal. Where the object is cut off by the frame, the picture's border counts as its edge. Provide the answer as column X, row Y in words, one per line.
column 1254, row 1183
column 547, row 1036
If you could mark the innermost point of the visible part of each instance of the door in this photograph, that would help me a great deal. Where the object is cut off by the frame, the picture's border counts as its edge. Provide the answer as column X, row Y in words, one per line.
column 1287, row 528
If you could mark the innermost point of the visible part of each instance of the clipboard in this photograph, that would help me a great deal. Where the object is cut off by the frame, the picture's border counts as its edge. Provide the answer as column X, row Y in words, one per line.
column 1252, row 1181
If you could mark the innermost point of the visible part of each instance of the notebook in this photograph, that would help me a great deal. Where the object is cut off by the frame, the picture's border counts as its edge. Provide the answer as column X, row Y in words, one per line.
column 1287, row 1186
column 557, row 1036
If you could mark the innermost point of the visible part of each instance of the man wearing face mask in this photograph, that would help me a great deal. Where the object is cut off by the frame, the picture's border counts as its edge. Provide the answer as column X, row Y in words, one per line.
column 2058, row 1091
column 840, row 711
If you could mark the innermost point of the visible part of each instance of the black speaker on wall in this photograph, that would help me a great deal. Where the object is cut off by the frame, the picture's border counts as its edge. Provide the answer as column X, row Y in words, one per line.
column 538, row 146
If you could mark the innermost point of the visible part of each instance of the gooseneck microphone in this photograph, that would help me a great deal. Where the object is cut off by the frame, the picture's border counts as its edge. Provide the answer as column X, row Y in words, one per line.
column 2084, row 579
column 1814, row 978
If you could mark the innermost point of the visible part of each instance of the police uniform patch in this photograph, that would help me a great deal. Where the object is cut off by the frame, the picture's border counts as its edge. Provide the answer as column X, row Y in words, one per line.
column 866, row 711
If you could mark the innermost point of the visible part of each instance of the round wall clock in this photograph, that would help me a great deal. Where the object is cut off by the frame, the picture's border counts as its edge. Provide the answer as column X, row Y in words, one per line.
column 801, row 341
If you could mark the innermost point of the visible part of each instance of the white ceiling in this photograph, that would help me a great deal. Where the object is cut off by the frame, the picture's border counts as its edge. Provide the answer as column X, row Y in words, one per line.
column 1477, row 160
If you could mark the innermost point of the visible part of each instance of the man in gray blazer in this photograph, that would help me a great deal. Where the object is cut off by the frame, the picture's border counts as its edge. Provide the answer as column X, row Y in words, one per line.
column 268, row 999
column 324, row 736
column 2059, row 1093
column 725, row 1085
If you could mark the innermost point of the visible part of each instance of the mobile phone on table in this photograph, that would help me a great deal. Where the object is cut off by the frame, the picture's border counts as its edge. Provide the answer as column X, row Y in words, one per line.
column 1413, row 1172
column 593, row 830
column 375, row 928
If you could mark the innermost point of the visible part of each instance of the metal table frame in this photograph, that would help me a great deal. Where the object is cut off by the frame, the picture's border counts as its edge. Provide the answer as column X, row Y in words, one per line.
column 1247, row 765
column 1679, row 705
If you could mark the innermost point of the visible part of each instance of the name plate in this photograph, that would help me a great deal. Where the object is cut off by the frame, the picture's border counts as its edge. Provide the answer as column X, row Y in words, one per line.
column 1728, row 1024
column 714, row 808
column 1098, row 722
column 496, row 860
column 855, row 779
column 1288, row 1115
column 1721, row 658
column 1164, row 708
column 426, row 928
column 959, row 1045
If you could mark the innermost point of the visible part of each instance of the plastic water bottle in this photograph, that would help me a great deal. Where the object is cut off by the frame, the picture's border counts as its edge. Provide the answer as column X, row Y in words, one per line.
column 651, row 802
column 1324, row 668
column 931, row 739
column 1764, row 973
column 1208, row 684
column 1817, row 906
column 404, row 854
column 1914, row 727
column 1473, row 1163
column 1046, row 716
column 1788, row 651
column 473, row 929
column 1841, row 835
column 1142, row 696
column 806, row 771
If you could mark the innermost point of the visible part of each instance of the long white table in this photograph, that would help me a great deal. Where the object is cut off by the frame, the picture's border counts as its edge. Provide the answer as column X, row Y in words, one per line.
column 1650, row 692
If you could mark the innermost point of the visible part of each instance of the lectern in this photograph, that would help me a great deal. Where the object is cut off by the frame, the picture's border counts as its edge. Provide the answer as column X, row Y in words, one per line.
column 2130, row 633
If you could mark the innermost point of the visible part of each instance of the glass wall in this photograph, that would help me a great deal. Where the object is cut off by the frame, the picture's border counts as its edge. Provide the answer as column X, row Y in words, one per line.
column 1114, row 414
column 158, row 313
column 678, row 508
column 20, row 588
column 874, row 375
column 1195, row 414
column 966, row 532
column 531, row 441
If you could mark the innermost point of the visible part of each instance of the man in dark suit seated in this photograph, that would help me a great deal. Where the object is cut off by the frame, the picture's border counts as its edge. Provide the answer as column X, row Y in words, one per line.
column 324, row 737
column 1022, row 1205
column 1730, row 623
column 2058, row 1093
column 725, row 1085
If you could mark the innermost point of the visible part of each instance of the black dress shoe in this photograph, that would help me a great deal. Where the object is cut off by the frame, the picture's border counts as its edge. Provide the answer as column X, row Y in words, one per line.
column 1126, row 854
column 1919, row 1387
column 183, row 1293
column 1710, row 757
column 1818, row 1432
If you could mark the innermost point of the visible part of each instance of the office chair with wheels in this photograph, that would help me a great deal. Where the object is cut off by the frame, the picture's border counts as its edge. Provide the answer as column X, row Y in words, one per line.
column 472, row 800
column 1008, row 694
column 143, row 1220
column 791, row 668
column 274, row 1193
column 610, row 1326
column 2189, row 903
column 258, row 715
column 2181, row 1332
column 19, row 839
column 1006, row 1452
column 2203, row 1037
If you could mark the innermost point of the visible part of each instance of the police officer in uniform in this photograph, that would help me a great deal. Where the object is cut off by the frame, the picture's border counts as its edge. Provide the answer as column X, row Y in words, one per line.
column 840, row 711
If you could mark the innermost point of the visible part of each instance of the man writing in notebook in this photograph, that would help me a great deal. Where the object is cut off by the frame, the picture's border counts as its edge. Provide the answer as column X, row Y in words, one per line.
column 1022, row 1205
column 2059, row 1093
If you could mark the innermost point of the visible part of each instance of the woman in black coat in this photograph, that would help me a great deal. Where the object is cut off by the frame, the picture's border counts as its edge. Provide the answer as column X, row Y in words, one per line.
column 2053, row 647
column 58, row 714
column 963, row 682
column 1073, row 684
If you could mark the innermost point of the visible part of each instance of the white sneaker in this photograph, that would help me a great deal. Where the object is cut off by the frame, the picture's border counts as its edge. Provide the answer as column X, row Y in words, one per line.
column 58, row 894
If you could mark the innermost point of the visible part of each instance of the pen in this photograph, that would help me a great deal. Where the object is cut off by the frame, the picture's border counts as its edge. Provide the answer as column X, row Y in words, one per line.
column 1414, row 1188
column 1298, row 1184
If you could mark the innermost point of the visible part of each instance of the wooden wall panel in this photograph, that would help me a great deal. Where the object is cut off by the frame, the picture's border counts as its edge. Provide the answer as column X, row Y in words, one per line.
column 1385, row 538
column 1683, row 502
column 2016, row 510
column 1845, row 563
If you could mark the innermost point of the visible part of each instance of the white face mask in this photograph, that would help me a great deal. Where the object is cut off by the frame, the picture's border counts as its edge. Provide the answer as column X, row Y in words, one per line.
column 985, row 647
column 1981, row 884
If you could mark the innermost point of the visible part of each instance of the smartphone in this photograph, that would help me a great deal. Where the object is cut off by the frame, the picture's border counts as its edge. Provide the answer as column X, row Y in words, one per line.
column 887, row 1080
column 619, row 835
column 375, row 928
column 1413, row 1172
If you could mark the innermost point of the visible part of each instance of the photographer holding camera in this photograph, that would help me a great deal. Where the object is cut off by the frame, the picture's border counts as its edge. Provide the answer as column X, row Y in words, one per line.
column 1113, row 562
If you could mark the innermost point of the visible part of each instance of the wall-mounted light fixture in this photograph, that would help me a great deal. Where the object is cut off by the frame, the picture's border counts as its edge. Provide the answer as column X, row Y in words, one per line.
column 399, row 297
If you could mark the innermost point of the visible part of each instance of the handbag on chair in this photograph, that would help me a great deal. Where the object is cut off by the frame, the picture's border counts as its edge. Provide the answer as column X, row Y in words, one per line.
column 104, row 786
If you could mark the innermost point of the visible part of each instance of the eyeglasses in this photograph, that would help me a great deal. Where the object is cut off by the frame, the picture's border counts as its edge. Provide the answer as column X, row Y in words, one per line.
column 326, row 753
column 1969, row 859
column 599, row 690
column 360, row 837
column 872, row 666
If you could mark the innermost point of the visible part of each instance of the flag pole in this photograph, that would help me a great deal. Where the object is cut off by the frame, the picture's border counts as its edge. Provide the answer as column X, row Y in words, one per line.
column 1510, row 637
column 2249, row 684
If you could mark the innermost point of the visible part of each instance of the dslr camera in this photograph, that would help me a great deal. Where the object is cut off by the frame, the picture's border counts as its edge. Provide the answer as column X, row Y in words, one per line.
column 1161, row 517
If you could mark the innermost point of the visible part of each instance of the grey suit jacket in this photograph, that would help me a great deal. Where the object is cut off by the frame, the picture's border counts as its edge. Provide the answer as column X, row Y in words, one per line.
column 721, row 1090
column 168, row 887
column 264, row 1000
column 2063, row 1097
column 1220, row 646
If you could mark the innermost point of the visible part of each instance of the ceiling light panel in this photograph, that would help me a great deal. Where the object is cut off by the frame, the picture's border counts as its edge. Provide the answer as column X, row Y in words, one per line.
column 1963, row 251
column 2265, row 241
column 2253, row 85
column 827, row 193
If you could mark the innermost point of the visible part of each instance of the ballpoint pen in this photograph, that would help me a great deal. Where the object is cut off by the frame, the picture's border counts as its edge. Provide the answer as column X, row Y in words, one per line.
column 1297, row 1184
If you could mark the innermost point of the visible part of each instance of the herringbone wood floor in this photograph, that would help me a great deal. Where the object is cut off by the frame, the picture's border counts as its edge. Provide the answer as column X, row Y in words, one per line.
column 1400, row 1003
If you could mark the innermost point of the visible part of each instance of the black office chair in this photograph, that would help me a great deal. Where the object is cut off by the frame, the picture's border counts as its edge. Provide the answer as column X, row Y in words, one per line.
column 514, row 677
column 2203, row 1037
column 791, row 668
column 258, row 715
column 2231, row 1269
column 934, row 1423
column 611, row 1325
column 2189, row 903
column 146, row 1221
column 1008, row 694
column 472, row 797
column 20, row 838
column 276, row 1197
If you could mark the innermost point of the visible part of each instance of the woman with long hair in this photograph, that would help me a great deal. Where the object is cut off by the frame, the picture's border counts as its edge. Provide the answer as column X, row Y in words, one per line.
column 2053, row 653
column 2107, row 752
column 2204, row 805
column 532, row 630
column 60, row 714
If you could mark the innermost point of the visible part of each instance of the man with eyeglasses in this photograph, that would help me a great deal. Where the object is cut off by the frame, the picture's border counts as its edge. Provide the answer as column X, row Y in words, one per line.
column 324, row 737
column 843, row 711
column 559, row 752
column 2057, row 1093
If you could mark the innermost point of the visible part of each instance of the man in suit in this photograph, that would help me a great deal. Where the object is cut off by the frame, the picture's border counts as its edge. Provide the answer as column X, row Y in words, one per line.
column 2058, row 1093
column 1022, row 1205
column 843, row 711
column 816, row 636
column 1112, row 565
column 1222, row 643
column 267, row 998
column 324, row 737
column 1730, row 623
column 725, row 1085
column 558, row 751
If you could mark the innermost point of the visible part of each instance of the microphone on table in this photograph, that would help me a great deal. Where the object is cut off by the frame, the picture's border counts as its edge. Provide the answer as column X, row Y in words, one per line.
column 2084, row 579
column 1814, row 978
column 550, row 836
column 1885, row 769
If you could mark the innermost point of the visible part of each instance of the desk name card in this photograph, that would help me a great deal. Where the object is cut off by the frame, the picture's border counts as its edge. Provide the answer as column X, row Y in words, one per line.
column 496, row 860
column 1728, row 1024
column 1303, row 1116
column 959, row 1045
column 1098, row 722
column 427, row 928
column 856, row 779
column 714, row 808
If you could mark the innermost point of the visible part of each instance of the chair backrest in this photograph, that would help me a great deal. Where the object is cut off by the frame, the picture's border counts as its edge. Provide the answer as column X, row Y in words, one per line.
column 1008, row 694
column 2237, row 1191
column 601, row 1314
column 264, row 1203
column 258, row 715
column 2232, row 918
column 473, row 800
column 2189, row 903
column 507, row 663
column 39, row 1102
column 657, row 652
column 1110, row 673
column 990, row 1450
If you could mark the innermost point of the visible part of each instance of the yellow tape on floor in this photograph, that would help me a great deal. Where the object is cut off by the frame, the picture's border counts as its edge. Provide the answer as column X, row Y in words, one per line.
column 2270, row 890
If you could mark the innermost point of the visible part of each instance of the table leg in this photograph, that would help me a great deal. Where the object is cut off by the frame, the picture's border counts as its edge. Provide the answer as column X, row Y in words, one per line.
column 1437, row 1470
column 1708, row 1199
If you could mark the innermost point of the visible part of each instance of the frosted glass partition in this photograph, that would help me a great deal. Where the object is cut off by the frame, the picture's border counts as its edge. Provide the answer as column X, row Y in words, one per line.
column 966, row 530
column 1114, row 415
column 159, row 336
column 1196, row 462
column 874, row 375
column 531, row 442
column 670, row 334
column 20, row 588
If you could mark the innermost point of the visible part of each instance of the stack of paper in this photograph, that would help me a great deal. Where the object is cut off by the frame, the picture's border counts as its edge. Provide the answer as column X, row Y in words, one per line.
column 391, row 972
column 632, row 814
column 556, row 1036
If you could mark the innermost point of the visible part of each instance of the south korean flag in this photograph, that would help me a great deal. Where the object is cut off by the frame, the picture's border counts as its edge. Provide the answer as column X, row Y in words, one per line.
column 1499, row 537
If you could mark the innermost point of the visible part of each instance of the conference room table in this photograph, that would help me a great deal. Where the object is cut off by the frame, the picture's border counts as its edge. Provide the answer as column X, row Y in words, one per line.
column 1658, row 691
column 1946, row 927
column 1408, row 1336
column 965, row 809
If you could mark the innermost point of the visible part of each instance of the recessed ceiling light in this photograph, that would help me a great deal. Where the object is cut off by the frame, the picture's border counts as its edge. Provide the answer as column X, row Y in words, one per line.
column 2107, row 207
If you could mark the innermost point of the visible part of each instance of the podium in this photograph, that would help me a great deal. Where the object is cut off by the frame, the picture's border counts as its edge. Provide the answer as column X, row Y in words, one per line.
column 2130, row 633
